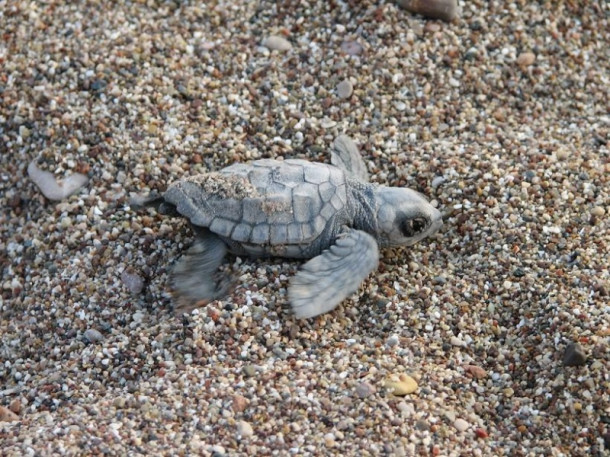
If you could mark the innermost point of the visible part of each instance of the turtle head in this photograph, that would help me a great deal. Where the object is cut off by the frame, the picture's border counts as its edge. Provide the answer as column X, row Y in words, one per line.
column 404, row 216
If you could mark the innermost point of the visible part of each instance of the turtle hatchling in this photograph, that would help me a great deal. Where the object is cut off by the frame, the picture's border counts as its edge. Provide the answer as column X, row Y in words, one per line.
column 292, row 208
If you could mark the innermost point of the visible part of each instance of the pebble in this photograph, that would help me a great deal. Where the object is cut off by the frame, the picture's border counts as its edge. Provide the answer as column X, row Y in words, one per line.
column 240, row 403
column 574, row 355
column 400, row 106
column 6, row 415
column 365, row 389
column 562, row 153
column 352, row 48
column 15, row 406
column 392, row 341
column 481, row 433
column 277, row 43
column 475, row 371
column 446, row 10
column 133, row 282
column 244, row 429
column 344, row 89
column 455, row 341
column 598, row 211
column 218, row 450
column 461, row 425
column 24, row 132
column 437, row 181
column 450, row 415
column 50, row 188
column 327, row 123
column 93, row 336
column 329, row 440
column 250, row 371
column 526, row 59
column 401, row 385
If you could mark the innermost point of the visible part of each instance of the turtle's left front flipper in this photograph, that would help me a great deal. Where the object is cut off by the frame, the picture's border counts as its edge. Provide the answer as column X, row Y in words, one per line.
column 194, row 277
column 326, row 280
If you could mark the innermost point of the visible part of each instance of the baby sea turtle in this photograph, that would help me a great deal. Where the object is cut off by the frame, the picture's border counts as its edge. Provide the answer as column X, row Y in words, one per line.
column 329, row 214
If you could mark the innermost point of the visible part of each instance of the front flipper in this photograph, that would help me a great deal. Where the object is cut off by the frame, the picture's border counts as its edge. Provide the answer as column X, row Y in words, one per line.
column 326, row 280
column 344, row 154
column 193, row 277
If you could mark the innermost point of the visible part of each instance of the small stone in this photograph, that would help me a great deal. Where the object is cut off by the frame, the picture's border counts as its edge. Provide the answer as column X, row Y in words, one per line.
column 455, row 341
column 422, row 425
column 344, row 89
column 132, row 281
column 365, row 389
column 24, row 132
column 562, row 153
column 481, row 433
column 98, row 85
column 446, row 10
column 6, row 415
column 400, row 106
column 471, row 54
column 239, row 403
column 352, row 48
column 525, row 59
column 461, row 425
column 93, row 336
column 244, row 429
column 574, row 355
column 50, row 187
column 475, row 371
column 250, row 371
column 450, row 415
column 401, row 385
column 218, row 450
column 277, row 43
column 437, row 181
column 15, row 406
column 598, row 211
column 327, row 123
column 606, row 438
column 392, row 341
column 329, row 440
column 432, row 27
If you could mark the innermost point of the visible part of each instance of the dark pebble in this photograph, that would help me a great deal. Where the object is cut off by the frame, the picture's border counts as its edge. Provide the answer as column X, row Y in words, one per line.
column 574, row 355
column 98, row 85
column 518, row 273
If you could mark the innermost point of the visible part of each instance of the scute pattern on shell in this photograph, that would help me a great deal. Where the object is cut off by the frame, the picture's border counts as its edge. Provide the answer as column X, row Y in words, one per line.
column 265, row 203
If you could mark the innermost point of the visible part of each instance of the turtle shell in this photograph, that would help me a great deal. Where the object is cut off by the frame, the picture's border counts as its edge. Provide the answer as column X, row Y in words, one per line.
column 264, row 203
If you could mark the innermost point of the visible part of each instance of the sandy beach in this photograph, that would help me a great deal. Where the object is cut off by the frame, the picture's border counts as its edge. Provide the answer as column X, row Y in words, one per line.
column 498, row 325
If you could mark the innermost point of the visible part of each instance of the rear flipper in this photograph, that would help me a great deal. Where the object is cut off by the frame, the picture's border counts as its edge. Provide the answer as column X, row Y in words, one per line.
column 194, row 278
column 153, row 200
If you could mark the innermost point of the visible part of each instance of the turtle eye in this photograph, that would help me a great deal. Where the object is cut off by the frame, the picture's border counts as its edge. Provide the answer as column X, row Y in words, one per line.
column 411, row 227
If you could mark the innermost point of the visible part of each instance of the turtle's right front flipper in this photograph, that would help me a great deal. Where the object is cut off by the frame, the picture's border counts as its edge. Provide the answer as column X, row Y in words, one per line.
column 326, row 280
column 193, row 278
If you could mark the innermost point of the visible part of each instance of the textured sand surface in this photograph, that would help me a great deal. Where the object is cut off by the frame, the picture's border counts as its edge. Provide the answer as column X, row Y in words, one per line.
column 496, row 330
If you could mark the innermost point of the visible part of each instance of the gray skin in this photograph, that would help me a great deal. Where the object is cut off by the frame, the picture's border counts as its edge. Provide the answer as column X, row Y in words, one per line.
column 329, row 214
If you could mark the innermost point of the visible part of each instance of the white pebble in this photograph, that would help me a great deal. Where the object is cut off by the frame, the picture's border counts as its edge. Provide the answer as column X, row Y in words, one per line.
column 277, row 43
column 49, row 186
column 344, row 89
column 244, row 429
column 461, row 425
